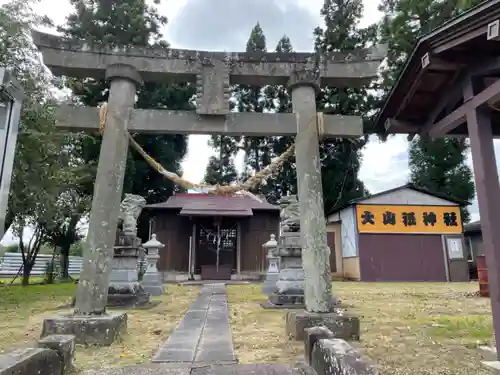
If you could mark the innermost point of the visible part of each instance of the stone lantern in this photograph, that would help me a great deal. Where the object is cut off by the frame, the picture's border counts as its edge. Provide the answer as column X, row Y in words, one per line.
column 273, row 269
column 11, row 96
column 151, row 281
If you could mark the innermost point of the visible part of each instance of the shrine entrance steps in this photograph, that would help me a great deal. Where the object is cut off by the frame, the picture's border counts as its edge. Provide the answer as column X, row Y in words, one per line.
column 204, row 334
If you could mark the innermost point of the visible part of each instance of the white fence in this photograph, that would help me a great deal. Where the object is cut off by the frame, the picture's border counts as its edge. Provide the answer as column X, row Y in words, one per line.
column 10, row 264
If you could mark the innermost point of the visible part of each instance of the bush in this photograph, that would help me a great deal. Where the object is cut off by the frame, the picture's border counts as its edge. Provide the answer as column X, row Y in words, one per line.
column 12, row 249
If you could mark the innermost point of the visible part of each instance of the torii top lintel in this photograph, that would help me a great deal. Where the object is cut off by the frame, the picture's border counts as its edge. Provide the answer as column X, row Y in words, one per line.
column 79, row 59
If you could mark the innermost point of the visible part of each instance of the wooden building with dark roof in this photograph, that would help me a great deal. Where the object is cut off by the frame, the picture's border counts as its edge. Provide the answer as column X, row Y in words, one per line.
column 190, row 225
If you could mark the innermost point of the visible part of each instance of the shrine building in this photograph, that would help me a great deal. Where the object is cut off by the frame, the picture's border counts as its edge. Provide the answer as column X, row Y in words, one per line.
column 402, row 234
column 194, row 226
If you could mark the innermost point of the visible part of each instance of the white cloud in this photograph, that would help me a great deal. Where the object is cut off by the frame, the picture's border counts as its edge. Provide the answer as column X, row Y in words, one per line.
column 385, row 164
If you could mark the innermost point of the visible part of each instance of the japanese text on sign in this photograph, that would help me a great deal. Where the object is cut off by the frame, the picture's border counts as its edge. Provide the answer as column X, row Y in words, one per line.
column 408, row 219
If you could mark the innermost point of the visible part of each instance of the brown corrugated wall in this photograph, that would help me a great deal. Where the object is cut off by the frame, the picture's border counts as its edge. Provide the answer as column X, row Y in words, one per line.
column 401, row 257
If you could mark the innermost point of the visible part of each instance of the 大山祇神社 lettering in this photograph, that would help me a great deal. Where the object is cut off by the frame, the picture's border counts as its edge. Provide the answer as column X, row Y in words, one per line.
column 412, row 219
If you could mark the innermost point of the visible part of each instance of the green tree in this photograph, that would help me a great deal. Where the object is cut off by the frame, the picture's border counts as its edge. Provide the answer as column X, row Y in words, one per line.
column 64, row 233
column 341, row 158
column 221, row 169
column 258, row 151
column 76, row 249
column 405, row 21
column 44, row 166
column 131, row 23
column 251, row 98
column 441, row 165
column 435, row 164
column 278, row 99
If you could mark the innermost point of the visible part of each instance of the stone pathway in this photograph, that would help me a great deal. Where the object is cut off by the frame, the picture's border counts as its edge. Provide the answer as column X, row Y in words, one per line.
column 203, row 337
column 202, row 344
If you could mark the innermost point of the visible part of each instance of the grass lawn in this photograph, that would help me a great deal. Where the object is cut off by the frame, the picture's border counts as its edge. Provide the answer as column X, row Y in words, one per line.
column 22, row 311
column 407, row 329
column 18, row 280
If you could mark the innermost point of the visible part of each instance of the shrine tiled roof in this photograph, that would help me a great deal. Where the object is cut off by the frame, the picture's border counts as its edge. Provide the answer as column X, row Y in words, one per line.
column 230, row 205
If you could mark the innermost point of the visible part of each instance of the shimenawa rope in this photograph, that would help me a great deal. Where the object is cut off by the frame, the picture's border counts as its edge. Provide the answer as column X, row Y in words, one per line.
column 244, row 187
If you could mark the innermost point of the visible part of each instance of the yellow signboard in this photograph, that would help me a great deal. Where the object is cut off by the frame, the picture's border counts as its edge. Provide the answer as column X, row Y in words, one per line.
column 408, row 219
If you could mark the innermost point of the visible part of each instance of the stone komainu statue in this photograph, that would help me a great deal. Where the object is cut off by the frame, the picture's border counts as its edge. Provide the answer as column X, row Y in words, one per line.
column 289, row 214
column 130, row 209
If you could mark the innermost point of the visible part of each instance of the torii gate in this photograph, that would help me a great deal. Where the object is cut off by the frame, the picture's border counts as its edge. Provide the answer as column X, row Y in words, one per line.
column 213, row 72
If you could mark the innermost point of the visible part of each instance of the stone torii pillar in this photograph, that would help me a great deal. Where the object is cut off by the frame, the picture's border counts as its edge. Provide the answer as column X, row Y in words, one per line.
column 91, row 295
column 316, row 253
column 91, row 322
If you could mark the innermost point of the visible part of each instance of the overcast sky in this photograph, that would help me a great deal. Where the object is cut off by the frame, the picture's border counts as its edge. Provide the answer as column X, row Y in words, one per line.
column 226, row 25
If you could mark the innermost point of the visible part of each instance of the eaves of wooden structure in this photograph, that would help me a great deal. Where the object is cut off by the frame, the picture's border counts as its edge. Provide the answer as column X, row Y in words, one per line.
column 429, row 96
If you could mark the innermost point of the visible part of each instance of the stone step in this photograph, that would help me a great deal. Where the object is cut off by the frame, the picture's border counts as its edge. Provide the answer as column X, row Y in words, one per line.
column 234, row 369
column 492, row 366
column 489, row 353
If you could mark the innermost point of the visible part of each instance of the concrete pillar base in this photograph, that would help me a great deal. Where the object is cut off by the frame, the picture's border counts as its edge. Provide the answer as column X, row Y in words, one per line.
column 343, row 326
column 96, row 330
column 153, row 289
column 128, row 295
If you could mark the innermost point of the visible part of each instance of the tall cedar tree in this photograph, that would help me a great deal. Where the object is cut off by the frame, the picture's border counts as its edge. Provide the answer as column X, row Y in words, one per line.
column 341, row 158
column 251, row 98
column 221, row 169
column 435, row 164
column 131, row 23
column 259, row 150
column 278, row 99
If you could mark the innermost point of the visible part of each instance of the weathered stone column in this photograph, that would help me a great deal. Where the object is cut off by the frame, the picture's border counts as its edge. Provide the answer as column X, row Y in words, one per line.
column 315, row 251
column 92, row 290
column 320, row 304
